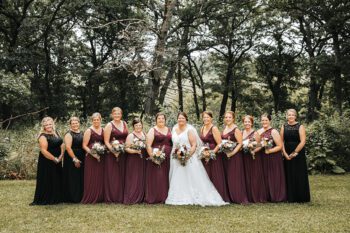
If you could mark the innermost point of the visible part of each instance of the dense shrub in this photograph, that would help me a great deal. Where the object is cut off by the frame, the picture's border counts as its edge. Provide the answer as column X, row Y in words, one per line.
column 327, row 146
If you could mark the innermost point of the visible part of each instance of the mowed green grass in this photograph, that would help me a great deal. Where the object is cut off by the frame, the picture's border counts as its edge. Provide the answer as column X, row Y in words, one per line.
column 329, row 211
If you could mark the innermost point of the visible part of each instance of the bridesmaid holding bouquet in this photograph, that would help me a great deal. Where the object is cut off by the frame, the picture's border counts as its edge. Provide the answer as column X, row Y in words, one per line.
column 114, row 173
column 135, row 165
column 254, row 177
column 157, row 172
column 272, row 161
column 94, row 162
column 234, row 161
column 210, row 135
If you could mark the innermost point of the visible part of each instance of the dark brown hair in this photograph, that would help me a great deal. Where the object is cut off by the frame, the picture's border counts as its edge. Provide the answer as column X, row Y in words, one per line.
column 268, row 116
column 160, row 114
column 136, row 121
column 182, row 114
column 209, row 113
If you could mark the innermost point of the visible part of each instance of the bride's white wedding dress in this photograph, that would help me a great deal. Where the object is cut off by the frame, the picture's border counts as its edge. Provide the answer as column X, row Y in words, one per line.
column 190, row 184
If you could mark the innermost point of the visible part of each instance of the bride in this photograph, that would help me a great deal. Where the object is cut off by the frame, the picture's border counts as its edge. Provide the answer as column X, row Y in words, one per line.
column 190, row 184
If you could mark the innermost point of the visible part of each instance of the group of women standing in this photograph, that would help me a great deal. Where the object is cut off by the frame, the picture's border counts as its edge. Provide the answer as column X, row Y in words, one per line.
column 274, row 174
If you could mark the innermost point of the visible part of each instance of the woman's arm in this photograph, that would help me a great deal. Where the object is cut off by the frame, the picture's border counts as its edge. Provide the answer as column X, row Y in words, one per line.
column 106, row 135
column 86, row 140
column 277, row 139
column 258, row 140
column 193, row 142
column 128, row 142
column 239, row 138
column 302, row 135
column 68, row 139
column 217, row 138
column 149, row 141
column 43, row 149
column 282, row 140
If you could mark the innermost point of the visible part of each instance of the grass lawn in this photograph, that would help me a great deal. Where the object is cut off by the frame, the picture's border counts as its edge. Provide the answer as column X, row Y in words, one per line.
column 329, row 211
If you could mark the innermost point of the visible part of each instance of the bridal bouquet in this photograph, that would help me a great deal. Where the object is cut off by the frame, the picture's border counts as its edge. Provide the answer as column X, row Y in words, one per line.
column 158, row 156
column 227, row 146
column 138, row 144
column 97, row 150
column 206, row 153
column 117, row 148
column 267, row 143
column 249, row 145
column 184, row 154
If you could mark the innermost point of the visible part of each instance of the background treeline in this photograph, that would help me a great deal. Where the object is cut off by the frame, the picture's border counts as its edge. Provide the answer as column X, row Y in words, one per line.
column 82, row 56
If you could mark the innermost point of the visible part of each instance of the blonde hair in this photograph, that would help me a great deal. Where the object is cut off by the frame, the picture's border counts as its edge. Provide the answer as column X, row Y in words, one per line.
column 96, row 114
column 117, row 109
column 232, row 114
column 293, row 111
column 249, row 117
column 73, row 118
column 43, row 121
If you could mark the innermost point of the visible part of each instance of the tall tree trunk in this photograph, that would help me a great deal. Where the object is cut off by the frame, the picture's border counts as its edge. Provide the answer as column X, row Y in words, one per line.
column 338, row 86
column 313, row 93
column 158, row 60
column 167, row 82
column 200, row 76
column 193, row 81
column 227, row 85
column 181, row 52
column 179, row 87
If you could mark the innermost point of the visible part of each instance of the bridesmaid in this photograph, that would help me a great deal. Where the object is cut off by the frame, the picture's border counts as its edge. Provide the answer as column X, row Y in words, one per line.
column 115, row 162
column 94, row 165
column 294, row 137
column 234, row 161
column 210, row 135
column 74, row 160
column 49, row 174
column 254, row 177
column 272, row 162
column 157, row 176
column 135, row 166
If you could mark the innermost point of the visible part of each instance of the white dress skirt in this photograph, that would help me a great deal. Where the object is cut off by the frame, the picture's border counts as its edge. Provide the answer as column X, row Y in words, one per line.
column 190, row 184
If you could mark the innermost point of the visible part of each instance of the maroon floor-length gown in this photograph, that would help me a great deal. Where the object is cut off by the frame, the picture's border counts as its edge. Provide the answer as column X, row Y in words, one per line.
column 235, row 173
column 93, row 173
column 135, row 166
column 157, row 176
column 114, row 177
column 254, row 176
column 274, row 176
column 215, row 168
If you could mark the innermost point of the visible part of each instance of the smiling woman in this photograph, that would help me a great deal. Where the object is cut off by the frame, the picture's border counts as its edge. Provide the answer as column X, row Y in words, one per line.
column 49, row 174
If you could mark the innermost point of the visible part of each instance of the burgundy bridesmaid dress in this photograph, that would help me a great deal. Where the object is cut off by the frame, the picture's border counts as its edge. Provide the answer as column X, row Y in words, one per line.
column 215, row 168
column 93, row 173
column 115, row 169
column 273, row 173
column 255, row 184
column 235, row 173
column 135, row 166
column 157, row 177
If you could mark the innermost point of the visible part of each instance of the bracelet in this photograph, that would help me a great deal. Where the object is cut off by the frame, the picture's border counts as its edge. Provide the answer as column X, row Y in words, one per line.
column 75, row 160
